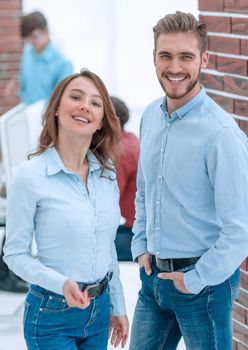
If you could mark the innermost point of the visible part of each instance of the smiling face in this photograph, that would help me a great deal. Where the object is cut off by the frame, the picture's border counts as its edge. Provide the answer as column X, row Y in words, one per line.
column 80, row 110
column 178, row 63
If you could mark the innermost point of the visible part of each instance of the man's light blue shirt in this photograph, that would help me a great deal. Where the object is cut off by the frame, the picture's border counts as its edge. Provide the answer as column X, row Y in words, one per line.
column 74, row 226
column 192, row 189
column 40, row 73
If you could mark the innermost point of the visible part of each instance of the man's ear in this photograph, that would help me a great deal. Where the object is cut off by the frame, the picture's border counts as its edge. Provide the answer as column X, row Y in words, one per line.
column 154, row 56
column 204, row 59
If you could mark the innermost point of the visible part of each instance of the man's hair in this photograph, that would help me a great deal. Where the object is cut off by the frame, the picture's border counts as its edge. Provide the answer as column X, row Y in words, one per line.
column 121, row 110
column 181, row 22
column 32, row 21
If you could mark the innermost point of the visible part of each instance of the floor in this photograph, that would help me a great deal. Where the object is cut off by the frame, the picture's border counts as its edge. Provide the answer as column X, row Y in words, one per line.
column 11, row 308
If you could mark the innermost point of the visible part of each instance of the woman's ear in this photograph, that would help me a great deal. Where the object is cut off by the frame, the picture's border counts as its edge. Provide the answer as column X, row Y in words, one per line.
column 100, row 126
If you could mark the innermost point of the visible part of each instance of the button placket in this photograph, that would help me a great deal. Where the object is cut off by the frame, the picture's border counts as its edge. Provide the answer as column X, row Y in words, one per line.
column 92, row 198
column 159, row 188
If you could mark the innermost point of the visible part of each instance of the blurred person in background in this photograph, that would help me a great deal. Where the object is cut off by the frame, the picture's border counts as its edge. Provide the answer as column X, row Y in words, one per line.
column 191, row 223
column 67, row 196
column 42, row 64
column 126, row 176
column 9, row 282
column 42, row 67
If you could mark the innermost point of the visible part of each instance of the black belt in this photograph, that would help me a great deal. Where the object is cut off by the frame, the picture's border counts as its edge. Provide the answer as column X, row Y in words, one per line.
column 170, row 265
column 96, row 289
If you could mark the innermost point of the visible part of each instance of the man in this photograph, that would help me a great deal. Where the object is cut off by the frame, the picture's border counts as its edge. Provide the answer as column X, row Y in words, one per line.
column 42, row 64
column 126, row 176
column 42, row 67
column 191, row 228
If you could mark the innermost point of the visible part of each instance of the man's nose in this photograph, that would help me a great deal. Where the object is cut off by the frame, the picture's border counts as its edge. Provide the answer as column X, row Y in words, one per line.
column 174, row 66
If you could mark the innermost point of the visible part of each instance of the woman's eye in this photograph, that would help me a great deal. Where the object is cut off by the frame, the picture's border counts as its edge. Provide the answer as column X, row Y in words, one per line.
column 75, row 97
column 97, row 104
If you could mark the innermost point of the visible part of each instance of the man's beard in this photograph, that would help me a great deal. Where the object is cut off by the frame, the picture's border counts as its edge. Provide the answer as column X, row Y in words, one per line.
column 189, row 88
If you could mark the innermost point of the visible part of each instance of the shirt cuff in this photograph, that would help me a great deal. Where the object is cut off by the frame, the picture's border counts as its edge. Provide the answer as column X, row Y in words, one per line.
column 192, row 281
column 117, row 304
column 138, row 248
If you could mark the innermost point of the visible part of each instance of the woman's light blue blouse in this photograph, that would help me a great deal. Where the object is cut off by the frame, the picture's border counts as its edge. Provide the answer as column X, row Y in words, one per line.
column 74, row 227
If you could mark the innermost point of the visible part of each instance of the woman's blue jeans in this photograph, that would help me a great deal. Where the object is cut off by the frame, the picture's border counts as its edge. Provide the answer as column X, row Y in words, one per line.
column 50, row 324
column 163, row 315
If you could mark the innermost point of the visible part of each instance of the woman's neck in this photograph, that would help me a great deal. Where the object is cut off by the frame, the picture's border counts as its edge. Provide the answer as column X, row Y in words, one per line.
column 73, row 155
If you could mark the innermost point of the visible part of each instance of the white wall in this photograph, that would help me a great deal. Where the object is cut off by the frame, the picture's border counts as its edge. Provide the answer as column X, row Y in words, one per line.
column 113, row 38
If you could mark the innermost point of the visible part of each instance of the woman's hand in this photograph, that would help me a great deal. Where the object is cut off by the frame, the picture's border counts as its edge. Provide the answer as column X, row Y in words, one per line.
column 118, row 331
column 74, row 296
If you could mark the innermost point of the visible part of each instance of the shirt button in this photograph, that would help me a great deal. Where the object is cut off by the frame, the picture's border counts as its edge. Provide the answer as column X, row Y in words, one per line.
column 157, row 228
column 157, row 253
column 160, row 176
column 157, row 202
column 162, row 150
column 168, row 124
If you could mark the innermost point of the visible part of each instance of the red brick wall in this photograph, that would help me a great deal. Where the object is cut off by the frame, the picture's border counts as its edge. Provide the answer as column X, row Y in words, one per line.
column 10, row 47
column 226, row 80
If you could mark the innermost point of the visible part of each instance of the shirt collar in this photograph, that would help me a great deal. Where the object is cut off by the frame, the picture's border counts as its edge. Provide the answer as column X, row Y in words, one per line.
column 54, row 163
column 46, row 54
column 182, row 111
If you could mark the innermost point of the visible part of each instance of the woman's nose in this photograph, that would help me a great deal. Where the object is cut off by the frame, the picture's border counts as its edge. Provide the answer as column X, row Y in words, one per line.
column 84, row 106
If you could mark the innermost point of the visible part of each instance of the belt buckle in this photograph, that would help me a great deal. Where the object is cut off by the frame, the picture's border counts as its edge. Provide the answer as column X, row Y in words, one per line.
column 92, row 290
column 96, row 289
column 165, row 265
column 171, row 265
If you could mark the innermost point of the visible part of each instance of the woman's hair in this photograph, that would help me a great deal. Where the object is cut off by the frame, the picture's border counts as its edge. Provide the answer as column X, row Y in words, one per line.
column 104, row 143
column 181, row 22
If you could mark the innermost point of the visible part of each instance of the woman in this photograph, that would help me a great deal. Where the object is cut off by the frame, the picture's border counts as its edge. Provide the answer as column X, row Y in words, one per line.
column 67, row 197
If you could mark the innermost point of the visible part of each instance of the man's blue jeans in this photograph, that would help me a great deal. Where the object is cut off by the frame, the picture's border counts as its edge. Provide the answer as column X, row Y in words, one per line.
column 50, row 324
column 163, row 314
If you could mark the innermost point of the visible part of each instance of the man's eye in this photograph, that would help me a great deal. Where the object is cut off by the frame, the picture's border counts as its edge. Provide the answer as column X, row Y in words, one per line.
column 187, row 58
